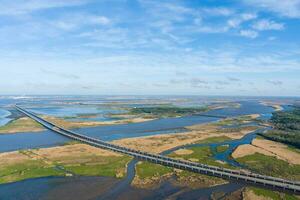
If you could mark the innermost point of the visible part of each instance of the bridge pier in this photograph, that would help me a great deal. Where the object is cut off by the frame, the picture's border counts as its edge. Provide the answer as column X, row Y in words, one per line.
column 275, row 183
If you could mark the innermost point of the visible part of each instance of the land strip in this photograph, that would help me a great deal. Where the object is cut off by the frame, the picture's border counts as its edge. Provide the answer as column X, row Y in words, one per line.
column 79, row 159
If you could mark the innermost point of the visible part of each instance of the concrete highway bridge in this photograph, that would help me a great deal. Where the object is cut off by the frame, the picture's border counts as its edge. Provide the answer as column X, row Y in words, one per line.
column 229, row 174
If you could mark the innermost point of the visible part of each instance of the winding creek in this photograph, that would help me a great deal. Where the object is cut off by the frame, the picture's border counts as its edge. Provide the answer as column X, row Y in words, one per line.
column 123, row 185
column 98, row 187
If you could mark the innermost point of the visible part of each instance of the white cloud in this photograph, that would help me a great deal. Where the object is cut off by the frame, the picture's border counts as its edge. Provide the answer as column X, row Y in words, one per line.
column 287, row 8
column 233, row 23
column 177, row 19
column 176, row 8
column 211, row 29
column 265, row 24
column 239, row 19
column 17, row 7
column 249, row 33
column 217, row 11
column 99, row 20
column 70, row 22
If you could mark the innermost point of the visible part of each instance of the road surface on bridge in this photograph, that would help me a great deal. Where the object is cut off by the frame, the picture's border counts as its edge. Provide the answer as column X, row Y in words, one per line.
column 229, row 174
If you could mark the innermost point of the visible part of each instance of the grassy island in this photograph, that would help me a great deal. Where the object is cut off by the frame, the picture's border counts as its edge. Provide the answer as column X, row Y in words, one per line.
column 286, row 127
column 150, row 175
column 167, row 111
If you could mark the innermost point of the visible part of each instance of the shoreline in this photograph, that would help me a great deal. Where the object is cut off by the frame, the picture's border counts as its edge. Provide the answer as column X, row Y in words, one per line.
column 198, row 133
column 162, row 142
column 32, row 126
column 125, row 118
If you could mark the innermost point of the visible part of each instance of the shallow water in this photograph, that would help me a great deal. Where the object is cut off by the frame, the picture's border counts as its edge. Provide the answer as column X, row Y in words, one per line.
column 10, row 142
column 4, row 117
column 73, row 188
column 110, row 188
column 122, row 186
column 222, row 156
column 101, row 113
column 98, row 188
column 246, row 108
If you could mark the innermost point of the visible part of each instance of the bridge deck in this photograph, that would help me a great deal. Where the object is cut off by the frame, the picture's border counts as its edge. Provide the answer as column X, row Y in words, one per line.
column 233, row 175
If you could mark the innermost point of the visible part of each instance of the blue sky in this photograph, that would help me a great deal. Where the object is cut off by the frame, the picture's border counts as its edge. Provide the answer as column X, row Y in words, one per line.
column 207, row 47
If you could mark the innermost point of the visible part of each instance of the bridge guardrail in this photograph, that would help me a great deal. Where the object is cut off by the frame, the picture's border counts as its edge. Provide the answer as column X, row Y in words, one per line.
column 187, row 165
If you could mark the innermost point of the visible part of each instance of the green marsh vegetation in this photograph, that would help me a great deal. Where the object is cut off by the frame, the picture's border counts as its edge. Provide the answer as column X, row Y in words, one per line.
column 32, row 165
column 148, row 170
column 201, row 154
column 272, row 194
column 20, row 125
column 286, row 127
column 167, row 111
column 222, row 148
column 271, row 166
column 214, row 140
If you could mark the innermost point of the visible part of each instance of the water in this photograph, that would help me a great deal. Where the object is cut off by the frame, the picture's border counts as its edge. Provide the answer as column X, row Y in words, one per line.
column 12, row 142
column 147, row 128
column 246, row 108
column 18, row 141
column 48, row 188
column 122, row 186
column 95, row 188
column 100, row 187
column 4, row 117
column 55, row 187
column 74, row 113
column 223, row 156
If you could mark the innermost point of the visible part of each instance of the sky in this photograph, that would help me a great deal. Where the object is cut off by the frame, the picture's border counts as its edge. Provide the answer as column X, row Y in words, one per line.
column 144, row 47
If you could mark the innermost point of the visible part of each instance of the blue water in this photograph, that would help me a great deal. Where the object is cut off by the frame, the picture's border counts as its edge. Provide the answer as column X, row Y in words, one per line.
column 123, row 185
column 152, row 127
column 66, row 111
column 4, row 116
column 101, row 113
column 12, row 142
column 25, row 190
column 96, row 188
column 246, row 108
column 40, row 188
column 56, row 187
column 222, row 156
column 167, row 125
column 46, row 188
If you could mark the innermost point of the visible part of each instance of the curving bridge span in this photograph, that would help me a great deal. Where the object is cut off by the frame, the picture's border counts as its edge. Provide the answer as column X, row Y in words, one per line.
column 229, row 174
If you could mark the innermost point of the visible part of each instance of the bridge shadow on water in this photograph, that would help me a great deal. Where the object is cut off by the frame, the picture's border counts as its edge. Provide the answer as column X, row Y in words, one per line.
column 165, row 189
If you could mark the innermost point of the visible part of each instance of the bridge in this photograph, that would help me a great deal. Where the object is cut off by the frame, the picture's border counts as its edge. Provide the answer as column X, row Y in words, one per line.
column 229, row 174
